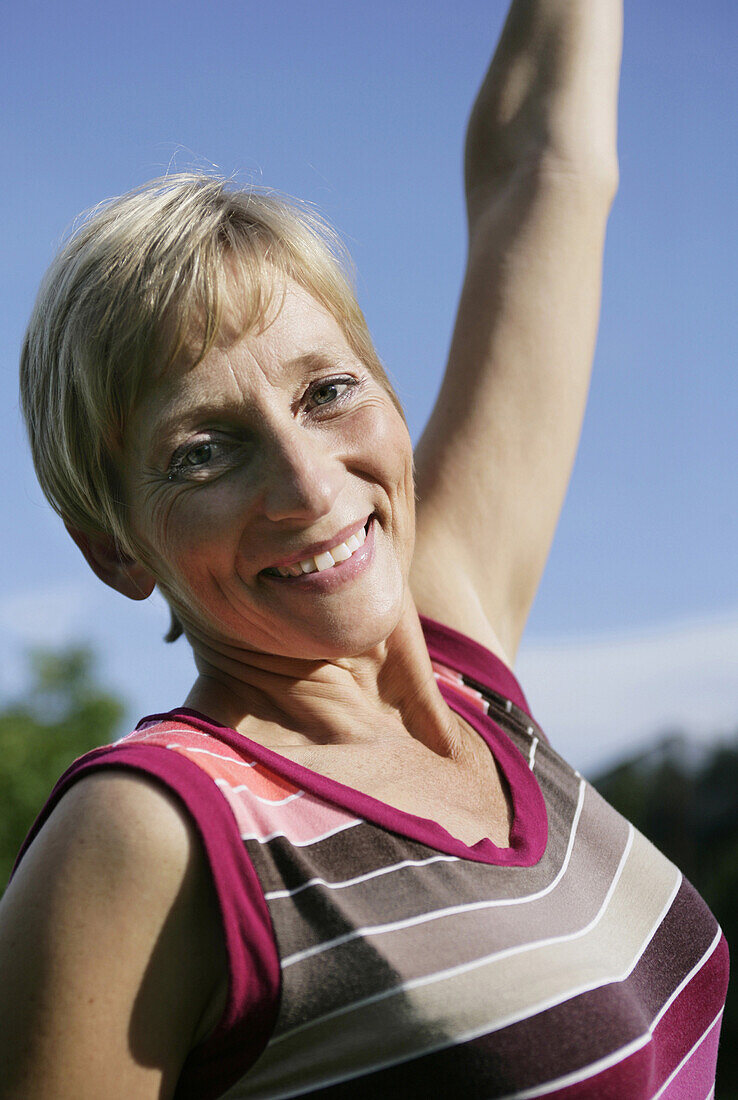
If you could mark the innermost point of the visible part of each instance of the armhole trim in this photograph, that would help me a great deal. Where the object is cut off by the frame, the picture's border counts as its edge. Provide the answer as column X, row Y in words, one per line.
column 473, row 661
column 254, row 980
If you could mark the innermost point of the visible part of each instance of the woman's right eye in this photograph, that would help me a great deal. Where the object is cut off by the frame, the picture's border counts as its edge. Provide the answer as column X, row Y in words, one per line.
column 198, row 456
column 200, row 459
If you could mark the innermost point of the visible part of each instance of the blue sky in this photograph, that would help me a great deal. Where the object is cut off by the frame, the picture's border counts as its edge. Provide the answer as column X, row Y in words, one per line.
column 361, row 109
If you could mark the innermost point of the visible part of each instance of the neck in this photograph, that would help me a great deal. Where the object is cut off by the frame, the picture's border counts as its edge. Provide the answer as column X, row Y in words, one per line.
column 388, row 693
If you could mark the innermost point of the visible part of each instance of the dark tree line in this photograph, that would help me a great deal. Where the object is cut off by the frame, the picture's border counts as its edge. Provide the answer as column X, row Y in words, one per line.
column 687, row 804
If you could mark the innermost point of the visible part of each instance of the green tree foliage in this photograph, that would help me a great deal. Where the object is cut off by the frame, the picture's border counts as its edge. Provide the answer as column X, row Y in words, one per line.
column 63, row 714
column 688, row 807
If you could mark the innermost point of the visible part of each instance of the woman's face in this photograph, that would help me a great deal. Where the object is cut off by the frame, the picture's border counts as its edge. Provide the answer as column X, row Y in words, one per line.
column 277, row 448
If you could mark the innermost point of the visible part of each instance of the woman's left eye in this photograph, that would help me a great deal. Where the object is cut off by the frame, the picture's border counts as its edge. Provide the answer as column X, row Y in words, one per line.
column 329, row 392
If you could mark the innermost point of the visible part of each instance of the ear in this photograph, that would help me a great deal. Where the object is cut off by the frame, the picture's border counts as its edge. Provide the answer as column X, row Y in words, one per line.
column 111, row 565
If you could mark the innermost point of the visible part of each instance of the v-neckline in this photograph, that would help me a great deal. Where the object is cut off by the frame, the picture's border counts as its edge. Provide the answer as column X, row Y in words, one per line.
column 528, row 826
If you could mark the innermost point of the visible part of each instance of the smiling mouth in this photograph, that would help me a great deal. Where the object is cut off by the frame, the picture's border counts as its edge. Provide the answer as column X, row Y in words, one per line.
column 327, row 559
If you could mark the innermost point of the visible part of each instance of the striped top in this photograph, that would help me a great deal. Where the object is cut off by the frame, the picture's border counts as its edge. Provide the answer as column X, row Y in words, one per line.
column 373, row 954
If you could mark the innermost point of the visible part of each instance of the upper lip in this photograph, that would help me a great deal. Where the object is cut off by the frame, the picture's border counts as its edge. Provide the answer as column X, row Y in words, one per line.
column 320, row 547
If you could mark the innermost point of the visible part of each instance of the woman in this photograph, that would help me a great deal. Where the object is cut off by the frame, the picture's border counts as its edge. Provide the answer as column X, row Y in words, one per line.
column 350, row 864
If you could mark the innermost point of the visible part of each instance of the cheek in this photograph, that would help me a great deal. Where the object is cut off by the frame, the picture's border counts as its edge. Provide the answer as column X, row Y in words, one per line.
column 188, row 532
column 380, row 435
column 383, row 445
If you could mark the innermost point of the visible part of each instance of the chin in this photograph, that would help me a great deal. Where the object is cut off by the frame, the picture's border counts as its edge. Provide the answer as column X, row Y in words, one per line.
column 343, row 636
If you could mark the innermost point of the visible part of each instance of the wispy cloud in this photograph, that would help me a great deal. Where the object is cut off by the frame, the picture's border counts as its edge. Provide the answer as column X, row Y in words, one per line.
column 603, row 696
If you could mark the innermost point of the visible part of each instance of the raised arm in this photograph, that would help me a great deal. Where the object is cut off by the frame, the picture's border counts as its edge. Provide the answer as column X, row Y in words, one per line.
column 495, row 459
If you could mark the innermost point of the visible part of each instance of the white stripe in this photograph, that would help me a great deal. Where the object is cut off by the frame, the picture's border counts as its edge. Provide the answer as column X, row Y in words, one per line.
column 508, row 705
column 437, row 914
column 301, row 843
column 686, row 1057
column 273, row 895
column 207, row 752
column 538, row 1090
column 223, row 783
column 496, row 956
column 155, row 730
column 532, row 756
column 693, row 971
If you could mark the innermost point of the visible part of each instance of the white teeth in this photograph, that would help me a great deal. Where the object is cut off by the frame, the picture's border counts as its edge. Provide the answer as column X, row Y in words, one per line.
column 324, row 561
column 340, row 552
column 327, row 559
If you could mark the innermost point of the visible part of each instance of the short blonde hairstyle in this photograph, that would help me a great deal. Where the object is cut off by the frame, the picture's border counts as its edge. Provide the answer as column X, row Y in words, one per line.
column 140, row 276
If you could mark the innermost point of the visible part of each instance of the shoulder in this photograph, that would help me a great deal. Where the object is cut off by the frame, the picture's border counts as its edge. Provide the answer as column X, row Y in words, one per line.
column 94, row 935
column 464, row 658
column 109, row 831
column 127, row 815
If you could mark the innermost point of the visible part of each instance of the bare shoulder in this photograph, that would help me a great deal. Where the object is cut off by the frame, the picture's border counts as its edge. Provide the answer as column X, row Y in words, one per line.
column 102, row 993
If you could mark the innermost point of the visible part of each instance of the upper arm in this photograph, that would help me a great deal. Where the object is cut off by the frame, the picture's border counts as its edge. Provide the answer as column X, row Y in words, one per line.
column 495, row 459
column 102, row 992
column 494, row 462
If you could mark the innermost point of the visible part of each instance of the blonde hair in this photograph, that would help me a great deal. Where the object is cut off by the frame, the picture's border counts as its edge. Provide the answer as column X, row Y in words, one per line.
column 123, row 298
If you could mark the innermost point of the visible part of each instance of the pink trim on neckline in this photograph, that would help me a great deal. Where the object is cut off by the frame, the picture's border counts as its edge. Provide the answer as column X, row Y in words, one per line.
column 529, row 829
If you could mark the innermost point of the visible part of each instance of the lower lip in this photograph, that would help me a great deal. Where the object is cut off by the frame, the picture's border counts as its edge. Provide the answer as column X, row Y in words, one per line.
column 328, row 580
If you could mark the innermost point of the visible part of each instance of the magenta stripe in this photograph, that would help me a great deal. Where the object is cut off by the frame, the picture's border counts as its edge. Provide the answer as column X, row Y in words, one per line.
column 698, row 1071
column 684, row 1021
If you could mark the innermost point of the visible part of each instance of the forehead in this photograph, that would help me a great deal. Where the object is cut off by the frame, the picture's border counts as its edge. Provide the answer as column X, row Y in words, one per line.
column 298, row 337
column 297, row 334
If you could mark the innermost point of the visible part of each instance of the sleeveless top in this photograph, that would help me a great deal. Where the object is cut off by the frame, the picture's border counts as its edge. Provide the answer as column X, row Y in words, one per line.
column 370, row 953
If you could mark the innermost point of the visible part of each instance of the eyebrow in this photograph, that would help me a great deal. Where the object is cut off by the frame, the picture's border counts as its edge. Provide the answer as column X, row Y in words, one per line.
column 176, row 415
column 315, row 360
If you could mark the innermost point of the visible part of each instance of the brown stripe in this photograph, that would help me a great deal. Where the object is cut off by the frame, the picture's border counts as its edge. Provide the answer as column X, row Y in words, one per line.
column 433, row 1015
column 325, row 981
column 319, row 913
column 582, row 1030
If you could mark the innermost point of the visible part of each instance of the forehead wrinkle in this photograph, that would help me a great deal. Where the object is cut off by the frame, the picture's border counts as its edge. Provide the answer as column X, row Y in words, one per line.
column 255, row 364
column 195, row 396
column 238, row 377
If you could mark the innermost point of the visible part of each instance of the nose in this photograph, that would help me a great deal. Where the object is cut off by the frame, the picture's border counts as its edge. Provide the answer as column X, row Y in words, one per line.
column 302, row 477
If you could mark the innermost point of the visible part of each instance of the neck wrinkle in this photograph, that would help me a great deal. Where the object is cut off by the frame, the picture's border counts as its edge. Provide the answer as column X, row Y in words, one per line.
column 389, row 693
